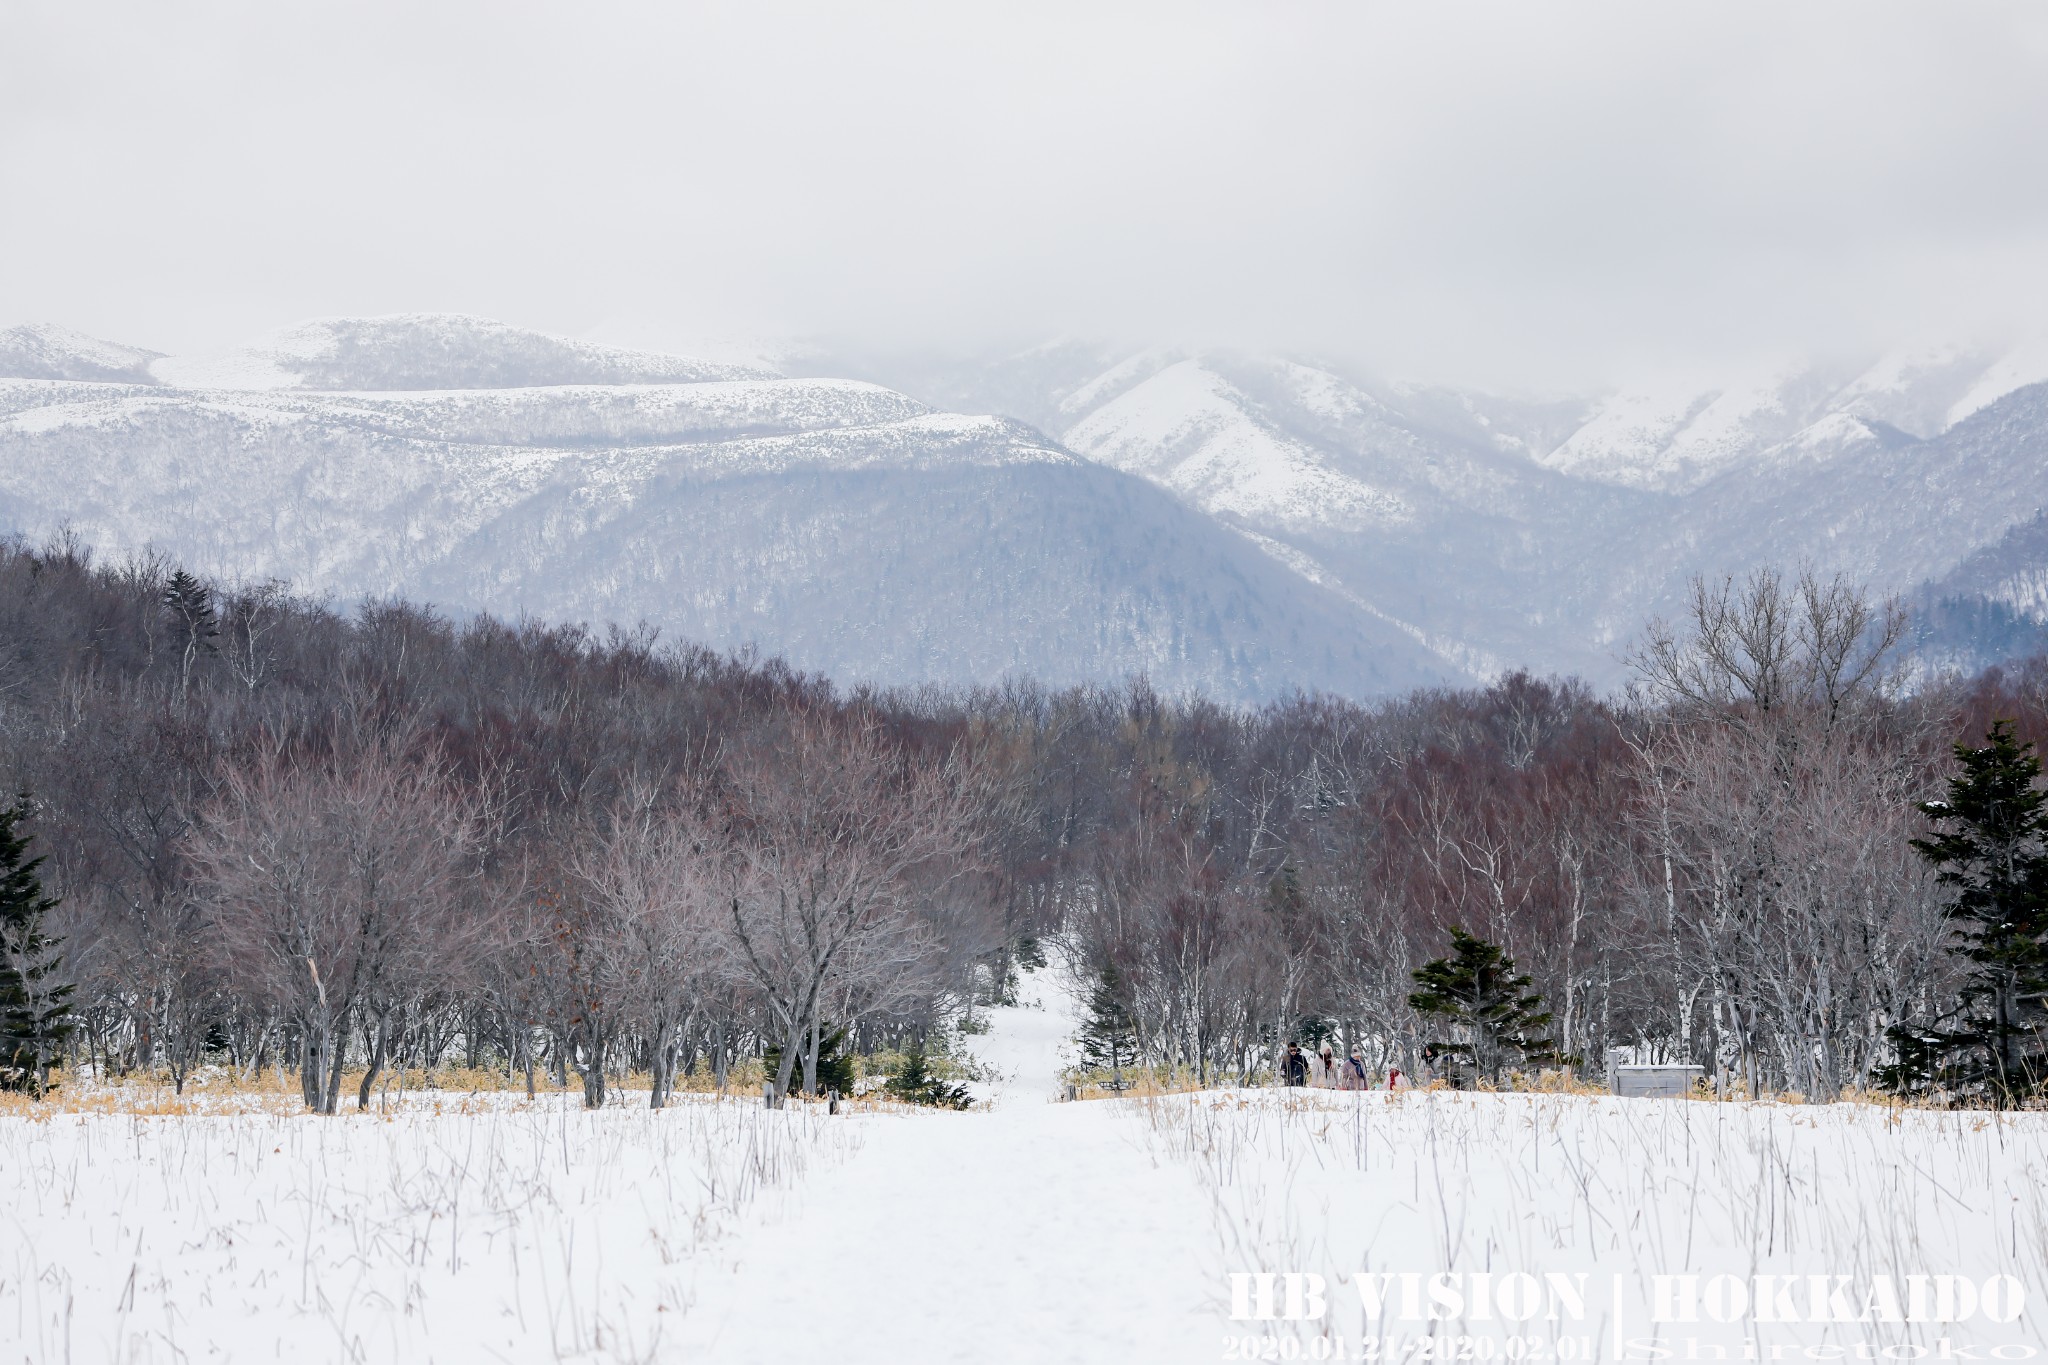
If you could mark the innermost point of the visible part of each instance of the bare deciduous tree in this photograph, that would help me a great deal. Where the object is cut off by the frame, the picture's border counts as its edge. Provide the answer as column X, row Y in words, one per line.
column 651, row 878
column 338, row 886
column 1769, row 644
column 824, row 841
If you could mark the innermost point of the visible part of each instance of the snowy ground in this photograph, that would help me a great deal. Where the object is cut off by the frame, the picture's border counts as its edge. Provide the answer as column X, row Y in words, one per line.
column 1825, row 1201
column 492, row 1230
column 1033, row 1231
column 1096, row 1233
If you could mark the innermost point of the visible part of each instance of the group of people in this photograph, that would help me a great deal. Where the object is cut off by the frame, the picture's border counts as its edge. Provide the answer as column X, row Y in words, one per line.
column 1325, row 1070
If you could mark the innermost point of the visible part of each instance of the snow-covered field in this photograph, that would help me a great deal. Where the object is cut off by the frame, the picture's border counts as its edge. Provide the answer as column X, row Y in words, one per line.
column 497, row 1229
column 476, row 1231
column 1668, row 1209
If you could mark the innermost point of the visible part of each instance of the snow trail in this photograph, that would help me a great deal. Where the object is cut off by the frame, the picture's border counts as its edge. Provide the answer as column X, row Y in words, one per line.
column 1031, row 1231
column 460, row 1229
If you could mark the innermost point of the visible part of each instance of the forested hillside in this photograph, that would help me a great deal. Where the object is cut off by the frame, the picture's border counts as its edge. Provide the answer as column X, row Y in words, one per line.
column 381, row 838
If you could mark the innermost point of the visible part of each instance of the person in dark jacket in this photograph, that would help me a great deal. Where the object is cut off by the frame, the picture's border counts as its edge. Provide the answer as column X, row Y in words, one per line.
column 1294, row 1066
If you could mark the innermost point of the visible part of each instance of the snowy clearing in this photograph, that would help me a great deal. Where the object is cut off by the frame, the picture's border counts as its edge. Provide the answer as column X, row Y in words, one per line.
column 497, row 1229
column 480, row 1231
column 1622, row 1192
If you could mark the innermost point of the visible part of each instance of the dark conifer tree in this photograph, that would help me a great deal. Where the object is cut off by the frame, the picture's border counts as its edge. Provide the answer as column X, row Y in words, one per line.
column 189, row 604
column 34, row 996
column 835, row 1064
column 1108, row 1040
column 1990, row 847
column 915, row 1082
column 1477, row 989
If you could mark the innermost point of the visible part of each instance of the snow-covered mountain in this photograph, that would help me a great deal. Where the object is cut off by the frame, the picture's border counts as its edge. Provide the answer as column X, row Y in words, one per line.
column 1245, row 524
column 845, row 526
column 429, row 351
column 1680, row 438
column 1507, row 532
column 42, row 351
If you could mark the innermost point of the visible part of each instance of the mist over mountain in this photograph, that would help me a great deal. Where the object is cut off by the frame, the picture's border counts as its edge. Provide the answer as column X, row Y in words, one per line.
column 1247, row 524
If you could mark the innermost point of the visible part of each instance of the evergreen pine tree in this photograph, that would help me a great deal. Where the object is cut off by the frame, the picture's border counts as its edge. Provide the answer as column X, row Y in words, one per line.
column 1030, row 954
column 835, row 1065
column 1108, row 1040
column 33, row 993
column 916, row 1083
column 1022, row 955
column 1476, row 989
column 189, row 604
column 1990, row 847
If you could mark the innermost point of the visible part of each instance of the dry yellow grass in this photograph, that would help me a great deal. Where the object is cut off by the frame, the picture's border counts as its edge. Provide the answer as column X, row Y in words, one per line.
column 217, row 1090
column 221, row 1090
column 453, row 1089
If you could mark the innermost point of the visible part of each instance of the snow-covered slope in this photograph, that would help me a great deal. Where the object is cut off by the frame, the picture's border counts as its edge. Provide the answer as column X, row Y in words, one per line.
column 2012, row 571
column 2012, row 371
column 1189, row 429
column 40, row 350
column 843, row 525
column 1889, row 512
column 1245, row 524
column 1505, row 532
column 429, row 351
column 1441, row 525
column 1676, row 439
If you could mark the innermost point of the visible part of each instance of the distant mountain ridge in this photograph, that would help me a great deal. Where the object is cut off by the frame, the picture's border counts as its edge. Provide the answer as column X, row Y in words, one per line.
column 430, row 351
column 848, row 527
column 1540, row 533
column 45, row 351
column 1245, row 524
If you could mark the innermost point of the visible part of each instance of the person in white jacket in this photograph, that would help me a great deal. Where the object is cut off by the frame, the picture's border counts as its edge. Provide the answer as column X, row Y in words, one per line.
column 1323, row 1068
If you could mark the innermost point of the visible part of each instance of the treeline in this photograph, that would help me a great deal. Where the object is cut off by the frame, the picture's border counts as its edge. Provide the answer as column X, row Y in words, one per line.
column 379, row 838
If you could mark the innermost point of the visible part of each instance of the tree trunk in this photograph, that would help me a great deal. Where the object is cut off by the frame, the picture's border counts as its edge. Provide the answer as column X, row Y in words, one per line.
column 664, row 1075
column 331, row 1103
column 262, row 1056
column 312, row 1067
column 591, row 1069
column 792, row 1045
column 376, row 1061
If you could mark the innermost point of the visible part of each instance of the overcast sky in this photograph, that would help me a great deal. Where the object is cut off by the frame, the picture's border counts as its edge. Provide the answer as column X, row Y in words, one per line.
column 1532, row 194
